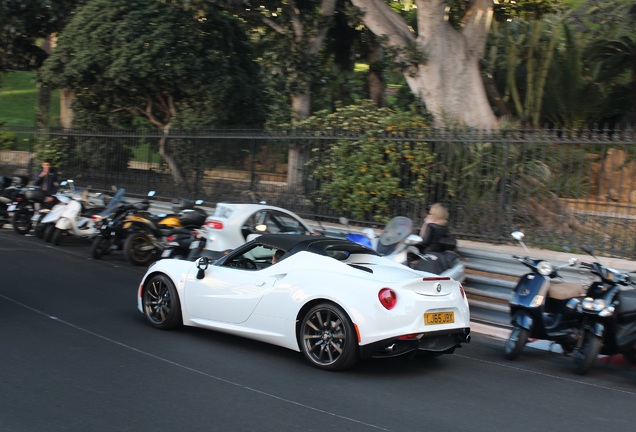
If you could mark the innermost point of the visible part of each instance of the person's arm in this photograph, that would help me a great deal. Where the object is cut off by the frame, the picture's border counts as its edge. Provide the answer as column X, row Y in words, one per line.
column 38, row 179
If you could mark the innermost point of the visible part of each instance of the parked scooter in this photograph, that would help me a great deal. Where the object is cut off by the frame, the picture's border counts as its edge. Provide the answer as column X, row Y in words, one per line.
column 148, row 234
column 398, row 243
column 609, row 316
column 543, row 305
column 76, row 218
column 45, row 218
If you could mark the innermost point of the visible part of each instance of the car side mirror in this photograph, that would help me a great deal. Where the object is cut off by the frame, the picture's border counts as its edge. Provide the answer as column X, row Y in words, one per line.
column 202, row 265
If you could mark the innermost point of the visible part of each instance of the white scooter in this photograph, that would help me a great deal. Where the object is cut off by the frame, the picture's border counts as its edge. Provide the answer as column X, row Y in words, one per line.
column 399, row 244
column 76, row 217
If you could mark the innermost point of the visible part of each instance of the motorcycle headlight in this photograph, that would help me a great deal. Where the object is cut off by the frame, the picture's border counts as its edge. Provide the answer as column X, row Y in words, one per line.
column 545, row 268
column 595, row 305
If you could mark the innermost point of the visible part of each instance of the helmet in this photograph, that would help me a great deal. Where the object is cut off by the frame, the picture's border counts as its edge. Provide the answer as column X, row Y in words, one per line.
column 34, row 194
column 192, row 217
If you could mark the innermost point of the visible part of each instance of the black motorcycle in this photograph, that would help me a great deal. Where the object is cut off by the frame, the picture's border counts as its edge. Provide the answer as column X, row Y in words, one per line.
column 543, row 305
column 9, row 189
column 150, row 235
column 111, row 233
column 609, row 316
column 26, row 203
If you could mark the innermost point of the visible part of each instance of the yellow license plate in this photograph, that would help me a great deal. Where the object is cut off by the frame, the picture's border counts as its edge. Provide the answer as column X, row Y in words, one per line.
column 434, row 318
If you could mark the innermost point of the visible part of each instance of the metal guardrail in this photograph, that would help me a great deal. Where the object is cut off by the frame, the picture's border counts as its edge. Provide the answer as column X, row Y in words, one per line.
column 492, row 275
column 491, row 271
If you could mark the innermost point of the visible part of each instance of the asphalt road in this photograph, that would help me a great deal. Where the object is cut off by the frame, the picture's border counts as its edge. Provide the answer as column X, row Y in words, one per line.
column 75, row 355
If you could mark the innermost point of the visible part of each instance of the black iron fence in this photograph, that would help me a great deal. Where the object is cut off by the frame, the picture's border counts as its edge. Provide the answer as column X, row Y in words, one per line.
column 562, row 188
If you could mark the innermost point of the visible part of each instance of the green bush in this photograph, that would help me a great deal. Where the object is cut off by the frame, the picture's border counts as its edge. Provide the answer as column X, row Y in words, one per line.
column 362, row 177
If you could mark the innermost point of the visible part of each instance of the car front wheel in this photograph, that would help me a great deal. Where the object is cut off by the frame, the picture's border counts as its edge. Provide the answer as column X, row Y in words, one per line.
column 161, row 304
column 328, row 338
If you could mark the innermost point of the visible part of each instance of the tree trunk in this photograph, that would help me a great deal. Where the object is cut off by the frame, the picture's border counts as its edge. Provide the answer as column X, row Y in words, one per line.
column 43, row 109
column 177, row 175
column 375, row 80
column 66, row 111
column 446, row 76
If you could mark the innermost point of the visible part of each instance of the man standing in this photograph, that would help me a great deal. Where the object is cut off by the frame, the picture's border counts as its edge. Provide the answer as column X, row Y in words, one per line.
column 46, row 178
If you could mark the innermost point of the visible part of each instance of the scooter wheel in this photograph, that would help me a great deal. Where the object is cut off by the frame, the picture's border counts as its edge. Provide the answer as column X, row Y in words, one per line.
column 48, row 233
column 40, row 229
column 101, row 247
column 22, row 221
column 56, row 238
column 585, row 357
column 515, row 343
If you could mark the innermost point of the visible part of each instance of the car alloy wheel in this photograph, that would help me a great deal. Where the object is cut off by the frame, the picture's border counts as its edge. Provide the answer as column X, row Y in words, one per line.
column 161, row 304
column 328, row 338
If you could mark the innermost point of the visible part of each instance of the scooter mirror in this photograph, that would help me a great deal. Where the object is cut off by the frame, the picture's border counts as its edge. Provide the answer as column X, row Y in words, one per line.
column 517, row 235
column 343, row 221
column 573, row 261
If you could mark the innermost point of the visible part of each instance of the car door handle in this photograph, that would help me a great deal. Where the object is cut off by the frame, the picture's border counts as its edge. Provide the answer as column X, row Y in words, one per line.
column 260, row 284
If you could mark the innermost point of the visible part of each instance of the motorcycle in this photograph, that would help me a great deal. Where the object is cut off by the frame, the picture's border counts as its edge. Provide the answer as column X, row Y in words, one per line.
column 25, row 205
column 609, row 316
column 110, row 228
column 9, row 189
column 543, row 305
column 397, row 242
column 148, row 235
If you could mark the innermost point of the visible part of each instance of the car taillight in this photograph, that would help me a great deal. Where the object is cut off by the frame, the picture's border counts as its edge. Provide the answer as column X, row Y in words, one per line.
column 214, row 224
column 461, row 290
column 388, row 298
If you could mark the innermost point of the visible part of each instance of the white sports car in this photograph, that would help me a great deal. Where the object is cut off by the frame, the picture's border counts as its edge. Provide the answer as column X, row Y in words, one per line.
column 334, row 300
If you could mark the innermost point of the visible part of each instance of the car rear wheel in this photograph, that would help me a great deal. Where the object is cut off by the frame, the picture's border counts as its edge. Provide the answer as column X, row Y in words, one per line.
column 161, row 304
column 328, row 338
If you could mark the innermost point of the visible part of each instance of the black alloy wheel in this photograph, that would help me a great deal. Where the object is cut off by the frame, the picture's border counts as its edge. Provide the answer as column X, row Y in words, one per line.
column 161, row 304
column 328, row 339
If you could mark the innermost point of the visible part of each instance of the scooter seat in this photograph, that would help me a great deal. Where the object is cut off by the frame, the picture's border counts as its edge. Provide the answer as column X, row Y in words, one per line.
column 627, row 311
column 566, row 290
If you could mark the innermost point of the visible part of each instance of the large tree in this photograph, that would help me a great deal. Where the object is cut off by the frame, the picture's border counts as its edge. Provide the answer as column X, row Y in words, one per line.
column 440, row 57
column 27, row 29
column 127, row 59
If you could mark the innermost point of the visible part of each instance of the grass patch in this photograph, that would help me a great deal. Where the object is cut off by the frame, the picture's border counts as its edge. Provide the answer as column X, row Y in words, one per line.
column 18, row 97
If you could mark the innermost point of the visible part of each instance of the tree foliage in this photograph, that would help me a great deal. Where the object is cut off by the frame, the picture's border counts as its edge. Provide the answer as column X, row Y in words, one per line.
column 363, row 177
column 24, row 23
column 142, row 58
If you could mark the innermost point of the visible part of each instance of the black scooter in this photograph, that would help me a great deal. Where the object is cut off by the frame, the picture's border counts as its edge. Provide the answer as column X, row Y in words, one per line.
column 609, row 316
column 543, row 305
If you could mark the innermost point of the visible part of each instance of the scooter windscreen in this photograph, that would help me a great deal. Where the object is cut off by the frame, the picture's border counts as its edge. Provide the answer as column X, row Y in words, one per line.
column 395, row 232
column 114, row 202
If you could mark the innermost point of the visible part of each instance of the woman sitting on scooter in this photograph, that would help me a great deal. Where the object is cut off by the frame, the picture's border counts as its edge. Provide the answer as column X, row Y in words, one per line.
column 434, row 231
